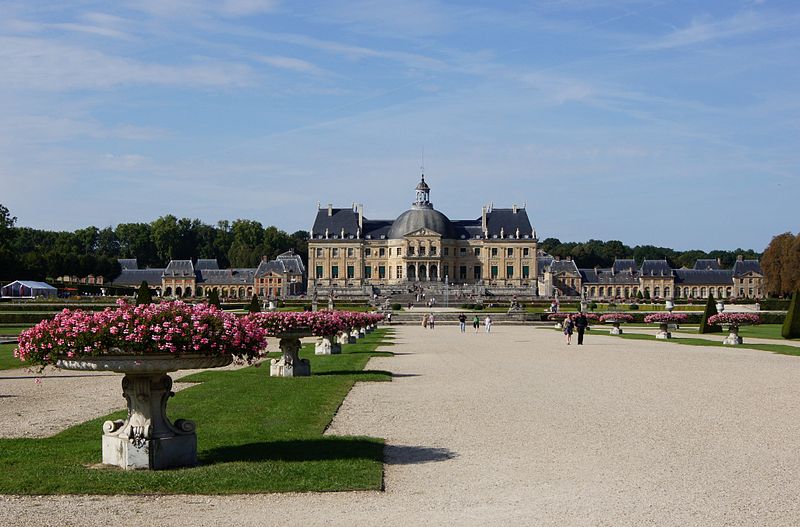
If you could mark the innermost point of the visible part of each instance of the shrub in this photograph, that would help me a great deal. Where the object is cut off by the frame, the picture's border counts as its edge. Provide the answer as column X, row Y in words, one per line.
column 143, row 295
column 710, row 311
column 213, row 298
column 791, row 326
column 633, row 307
column 396, row 307
column 775, row 304
column 639, row 294
column 255, row 305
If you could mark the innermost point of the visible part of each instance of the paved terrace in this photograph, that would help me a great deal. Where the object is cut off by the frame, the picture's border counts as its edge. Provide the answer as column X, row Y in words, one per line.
column 516, row 428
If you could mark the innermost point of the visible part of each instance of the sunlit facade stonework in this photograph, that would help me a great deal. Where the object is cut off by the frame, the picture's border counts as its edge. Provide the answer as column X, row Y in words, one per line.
column 421, row 246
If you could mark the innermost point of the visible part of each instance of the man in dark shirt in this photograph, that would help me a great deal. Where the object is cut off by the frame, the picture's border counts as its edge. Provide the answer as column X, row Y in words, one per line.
column 580, row 326
column 462, row 321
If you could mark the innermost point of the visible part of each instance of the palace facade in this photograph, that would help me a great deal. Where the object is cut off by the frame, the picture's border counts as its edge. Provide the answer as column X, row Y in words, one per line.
column 496, row 253
column 422, row 245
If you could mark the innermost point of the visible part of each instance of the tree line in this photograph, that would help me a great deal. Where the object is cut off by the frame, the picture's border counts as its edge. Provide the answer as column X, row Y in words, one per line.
column 597, row 253
column 781, row 264
column 36, row 254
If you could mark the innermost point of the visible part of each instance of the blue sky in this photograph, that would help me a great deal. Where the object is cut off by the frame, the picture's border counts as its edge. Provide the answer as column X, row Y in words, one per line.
column 664, row 122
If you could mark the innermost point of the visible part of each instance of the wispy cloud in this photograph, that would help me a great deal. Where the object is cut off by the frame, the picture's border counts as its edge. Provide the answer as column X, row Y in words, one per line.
column 48, row 65
column 706, row 30
column 291, row 63
column 190, row 8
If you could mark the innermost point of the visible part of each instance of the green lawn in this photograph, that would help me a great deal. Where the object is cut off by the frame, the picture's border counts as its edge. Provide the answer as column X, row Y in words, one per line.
column 255, row 434
column 13, row 330
column 781, row 349
column 7, row 359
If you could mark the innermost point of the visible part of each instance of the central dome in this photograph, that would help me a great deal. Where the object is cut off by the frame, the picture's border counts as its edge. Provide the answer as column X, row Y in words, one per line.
column 421, row 218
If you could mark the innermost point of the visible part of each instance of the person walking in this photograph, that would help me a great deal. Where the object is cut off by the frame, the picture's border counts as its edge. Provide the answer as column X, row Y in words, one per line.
column 581, row 323
column 569, row 326
column 462, row 321
column 476, row 323
column 488, row 323
column 389, row 318
column 431, row 321
column 425, row 321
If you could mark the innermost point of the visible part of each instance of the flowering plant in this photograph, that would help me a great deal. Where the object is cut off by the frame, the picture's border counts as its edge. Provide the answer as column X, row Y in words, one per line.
column 616, row 317
column 557, row 316
column 665, row 318
column 734, row 319
column 168, row 327
column 320, row 323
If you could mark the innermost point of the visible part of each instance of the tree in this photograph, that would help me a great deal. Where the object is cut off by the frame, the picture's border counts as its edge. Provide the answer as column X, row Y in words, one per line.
column 779, row 263
column 255, row 304
column 791, row 325
column 143, row 296
column 213, row 299
column 711, row 310
column 639, row 295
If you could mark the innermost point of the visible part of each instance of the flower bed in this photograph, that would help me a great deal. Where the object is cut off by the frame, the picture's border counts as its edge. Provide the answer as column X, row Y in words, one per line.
column 318, row 323
column 734, row 319
column 615, row 317
column 169, row 327
column 666, row 318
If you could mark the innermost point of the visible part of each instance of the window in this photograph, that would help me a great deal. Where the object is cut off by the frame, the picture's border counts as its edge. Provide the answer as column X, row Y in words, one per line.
column 382, row 272
column 367, row 252
column 526, row 251
column 510, row 252
column 351, row 271
column 509, row 271
column 411, row 250
column 446, row 270
column 446, row 251
column 382, row 252
column 399, row 271
column 433, row 252
column 477, row 251
column 463, row 251
column 334, row 271
column 526, row 271
column 319, row 271
column 493, row 271
column 476, row 272
column 462, row 272
column 368, row 271
column 350, row 252
column 335, row 252
column 421, row 250
column 319, row 252
column 494, row 251
column 399, row 253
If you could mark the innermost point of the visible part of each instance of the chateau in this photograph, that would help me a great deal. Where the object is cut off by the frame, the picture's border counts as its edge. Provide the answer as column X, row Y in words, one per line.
column 495, row 254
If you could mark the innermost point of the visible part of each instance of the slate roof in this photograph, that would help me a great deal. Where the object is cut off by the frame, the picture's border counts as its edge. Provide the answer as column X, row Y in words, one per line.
column 707, row 264
column 292, row 262
column 655, row 268
column 286, row 263
column 179, row 268
column 563, row 266
column 608, row 276
column 624, row 264
column 339, row 219
column 134, row 277
column 375, row 229
column 507, row 221
column 242, row 276
column 742, row 267
column 703, row 277
column 467, row 229
column 128, row 263
column 207, row 263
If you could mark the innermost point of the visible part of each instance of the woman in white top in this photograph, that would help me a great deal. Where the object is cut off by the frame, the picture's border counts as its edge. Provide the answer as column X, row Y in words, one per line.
column 488, row 323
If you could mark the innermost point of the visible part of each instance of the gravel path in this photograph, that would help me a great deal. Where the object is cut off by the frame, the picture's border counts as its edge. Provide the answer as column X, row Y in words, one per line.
column 516, row 428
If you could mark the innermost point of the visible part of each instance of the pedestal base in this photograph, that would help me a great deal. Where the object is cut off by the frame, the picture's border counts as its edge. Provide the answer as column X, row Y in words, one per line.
column 290, row 365
column 663, row 335
column 733, row 339
column 616, row 330
column 155, row 454
column 327, row 346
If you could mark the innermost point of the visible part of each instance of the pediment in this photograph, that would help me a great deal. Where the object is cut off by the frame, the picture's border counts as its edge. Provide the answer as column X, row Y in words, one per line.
column 422, row 232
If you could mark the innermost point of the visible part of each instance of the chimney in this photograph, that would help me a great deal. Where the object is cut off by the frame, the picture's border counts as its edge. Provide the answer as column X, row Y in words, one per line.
column 361, row 216
column 514, row 208
column 330, row 209
column 558, row 258
column 719, row 262
column 264, row 258
column 483, row 221
column 739, row 258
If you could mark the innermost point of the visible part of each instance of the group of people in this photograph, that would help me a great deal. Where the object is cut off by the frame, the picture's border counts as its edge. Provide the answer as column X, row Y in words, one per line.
column 575, row 323
column 476, row 323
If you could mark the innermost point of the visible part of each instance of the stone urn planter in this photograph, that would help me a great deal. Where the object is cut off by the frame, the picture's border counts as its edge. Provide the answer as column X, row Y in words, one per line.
column 327, row 345
column 615, row 319
column 732, row 322
column 147, row 439
column 290, row 364
column 664, row 320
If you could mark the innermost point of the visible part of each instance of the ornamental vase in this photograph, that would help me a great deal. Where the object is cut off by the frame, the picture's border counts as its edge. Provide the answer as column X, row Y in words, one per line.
column 290, row 364
column 147, row 439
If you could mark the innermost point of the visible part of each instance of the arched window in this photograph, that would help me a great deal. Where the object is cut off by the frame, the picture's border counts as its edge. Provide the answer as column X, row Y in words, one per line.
column 666, row 292
column 168, row 291
column 593, row 291
column 703, row 292
column 178, row 292
column 199, row 291
column 602, row 291
column 656, row 292
column 412, row 272
column 188, row 292
column 434, row 273
column 694, row 292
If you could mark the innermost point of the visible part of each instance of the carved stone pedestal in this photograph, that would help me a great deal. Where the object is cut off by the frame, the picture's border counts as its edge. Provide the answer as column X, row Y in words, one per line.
column 663, row 332
column 733, row 338
column 290, row 365
column 327, row 345
column 356, row 334
column 615, row 329
column 147, row 439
